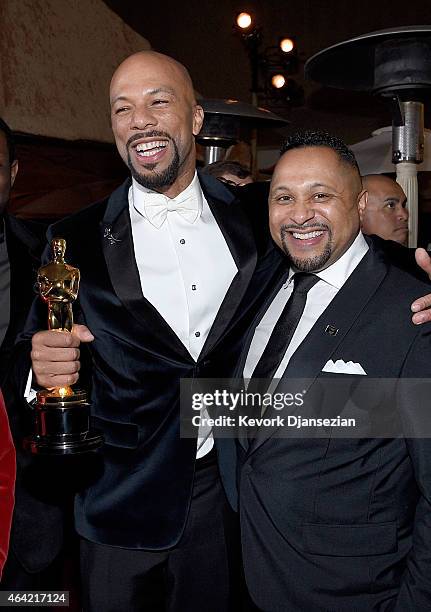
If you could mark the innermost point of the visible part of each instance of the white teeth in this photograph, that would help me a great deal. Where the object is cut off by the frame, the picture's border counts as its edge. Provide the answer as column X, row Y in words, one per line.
column 150, row 153
column 307, row 236
column 147, row 148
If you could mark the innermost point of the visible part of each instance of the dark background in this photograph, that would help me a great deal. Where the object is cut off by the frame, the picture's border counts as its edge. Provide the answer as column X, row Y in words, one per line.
column 57, row 177
column 200, row 35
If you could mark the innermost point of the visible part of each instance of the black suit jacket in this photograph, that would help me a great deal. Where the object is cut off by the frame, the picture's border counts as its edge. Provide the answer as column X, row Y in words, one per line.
column 37, row 528
column 24, row 248
column 345, row 524
column 141, row 495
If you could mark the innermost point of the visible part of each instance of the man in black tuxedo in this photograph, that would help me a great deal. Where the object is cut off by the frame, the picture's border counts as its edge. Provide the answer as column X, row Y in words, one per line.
column 172, row 269
column 37, row 528
column 331, row 523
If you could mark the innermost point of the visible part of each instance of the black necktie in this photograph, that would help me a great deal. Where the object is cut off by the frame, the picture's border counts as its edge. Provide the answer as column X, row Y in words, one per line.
column 285, row 327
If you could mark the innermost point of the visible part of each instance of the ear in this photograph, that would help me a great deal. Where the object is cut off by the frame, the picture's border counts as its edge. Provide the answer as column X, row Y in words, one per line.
column 362, row 203
column 198, row 119
column 13, row 171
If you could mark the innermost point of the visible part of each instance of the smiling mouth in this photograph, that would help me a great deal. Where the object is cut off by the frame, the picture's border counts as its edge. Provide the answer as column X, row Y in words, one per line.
column 151, row 148
column 308, row 235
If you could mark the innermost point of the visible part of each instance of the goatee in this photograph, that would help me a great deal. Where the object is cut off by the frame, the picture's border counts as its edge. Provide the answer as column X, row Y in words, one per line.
column 310, row 264
column 157, row 181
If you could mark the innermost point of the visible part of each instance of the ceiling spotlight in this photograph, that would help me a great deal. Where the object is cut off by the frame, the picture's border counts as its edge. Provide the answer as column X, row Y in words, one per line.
column 244, row 20
column 278, row 81
column 287, row 45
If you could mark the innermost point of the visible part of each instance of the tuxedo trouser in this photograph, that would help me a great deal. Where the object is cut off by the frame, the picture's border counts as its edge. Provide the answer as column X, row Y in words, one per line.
column 200, row 574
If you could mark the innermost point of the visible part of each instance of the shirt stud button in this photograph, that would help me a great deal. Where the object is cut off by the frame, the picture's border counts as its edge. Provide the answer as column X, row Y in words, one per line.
column 182, row 241
column 193, row 287
column 197, row 334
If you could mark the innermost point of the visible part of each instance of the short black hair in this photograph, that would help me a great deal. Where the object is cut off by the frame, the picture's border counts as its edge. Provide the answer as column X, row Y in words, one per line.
column 319, row 138
column 232, row 167
column 10, row 142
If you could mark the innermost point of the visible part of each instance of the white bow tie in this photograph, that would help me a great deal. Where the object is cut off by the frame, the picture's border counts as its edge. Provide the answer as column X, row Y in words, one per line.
column 156, row 208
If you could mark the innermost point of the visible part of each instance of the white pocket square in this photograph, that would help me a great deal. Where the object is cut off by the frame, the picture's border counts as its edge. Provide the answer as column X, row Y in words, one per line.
column 343, row 367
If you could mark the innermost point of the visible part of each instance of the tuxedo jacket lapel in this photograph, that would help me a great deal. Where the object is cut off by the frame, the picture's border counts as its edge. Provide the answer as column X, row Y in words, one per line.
column 281, row 262
column 117, row 245
column 238, row 234
column 319, row 345
column 282, row 277
column 342, row 312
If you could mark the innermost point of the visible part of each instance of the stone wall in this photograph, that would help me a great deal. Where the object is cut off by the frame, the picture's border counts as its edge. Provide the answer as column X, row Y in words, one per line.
column 56, row 61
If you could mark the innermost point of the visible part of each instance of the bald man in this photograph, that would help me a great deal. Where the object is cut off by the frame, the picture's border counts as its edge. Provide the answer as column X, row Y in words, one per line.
column 167, row 293
column 384, row 213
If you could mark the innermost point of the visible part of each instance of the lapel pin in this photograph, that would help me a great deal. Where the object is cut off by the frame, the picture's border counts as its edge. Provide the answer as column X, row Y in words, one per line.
column 331, row 330
column 109, row 236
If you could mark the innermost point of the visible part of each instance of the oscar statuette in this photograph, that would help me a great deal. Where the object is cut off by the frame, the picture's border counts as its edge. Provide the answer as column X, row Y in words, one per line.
column 61, row 414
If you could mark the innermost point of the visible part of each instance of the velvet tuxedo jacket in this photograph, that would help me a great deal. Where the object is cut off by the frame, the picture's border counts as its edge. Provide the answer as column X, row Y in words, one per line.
column 345, row 524
column 139, row 495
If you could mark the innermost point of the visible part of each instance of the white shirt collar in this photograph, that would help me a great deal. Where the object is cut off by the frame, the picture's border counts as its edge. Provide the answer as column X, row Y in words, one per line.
column 139, row 195
column 337, row 273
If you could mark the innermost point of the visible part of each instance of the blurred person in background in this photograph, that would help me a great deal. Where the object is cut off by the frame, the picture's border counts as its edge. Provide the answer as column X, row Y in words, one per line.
column 229, row 172
column 385, row 213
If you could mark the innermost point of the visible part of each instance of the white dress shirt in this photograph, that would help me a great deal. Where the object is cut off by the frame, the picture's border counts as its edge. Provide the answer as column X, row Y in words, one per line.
column 318, row 299
column 184, row 264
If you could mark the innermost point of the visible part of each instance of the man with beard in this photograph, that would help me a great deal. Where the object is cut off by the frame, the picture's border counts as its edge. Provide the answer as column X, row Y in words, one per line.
column 166, row 293
column 331, row 523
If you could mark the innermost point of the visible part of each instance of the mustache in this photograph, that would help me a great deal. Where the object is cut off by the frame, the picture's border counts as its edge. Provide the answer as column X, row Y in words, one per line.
column 150, row 134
